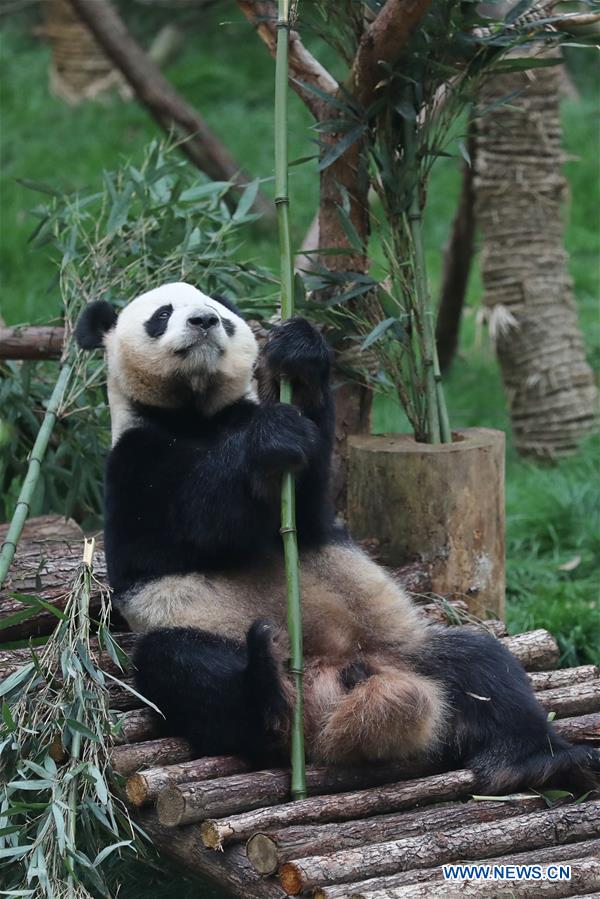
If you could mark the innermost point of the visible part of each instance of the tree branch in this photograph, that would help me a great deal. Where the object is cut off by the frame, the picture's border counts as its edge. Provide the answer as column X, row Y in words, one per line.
column 162, row 101
column 383, row 41
column 303, row 67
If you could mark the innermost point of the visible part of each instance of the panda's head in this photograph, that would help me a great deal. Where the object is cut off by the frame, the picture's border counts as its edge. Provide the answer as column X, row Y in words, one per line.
column 171, row 347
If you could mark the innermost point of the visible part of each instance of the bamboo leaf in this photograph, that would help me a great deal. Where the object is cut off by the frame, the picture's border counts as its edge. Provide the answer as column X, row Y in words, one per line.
column 16, row 618
column 329, row 98
column 39, row 186
column 39, row 604
column 517, row 11
column 377, row 332
column 464, row 152
column 406, row 109
column 524, row 63
column 341, row 146
column 13, row 852
column 80, row 728
column 246, row 200
column 349, row 229
column 104, row 853
column 7, row 717
column 16, row 678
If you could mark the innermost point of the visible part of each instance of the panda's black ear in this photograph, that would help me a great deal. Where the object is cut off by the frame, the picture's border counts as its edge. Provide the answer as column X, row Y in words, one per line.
column 225, row 301
column 96, row 319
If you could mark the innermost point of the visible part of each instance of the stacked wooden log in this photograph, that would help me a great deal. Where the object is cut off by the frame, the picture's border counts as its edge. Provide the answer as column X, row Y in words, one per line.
column 381, row 832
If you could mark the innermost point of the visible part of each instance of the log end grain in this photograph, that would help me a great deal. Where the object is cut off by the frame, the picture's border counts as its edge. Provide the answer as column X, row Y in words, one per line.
column 213, row 834
column 261, row 851
column 170, row 807
column 290, row 879
column 136, row 790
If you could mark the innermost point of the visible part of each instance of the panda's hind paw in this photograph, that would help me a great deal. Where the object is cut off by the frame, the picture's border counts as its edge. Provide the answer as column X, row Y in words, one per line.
column 354, row 673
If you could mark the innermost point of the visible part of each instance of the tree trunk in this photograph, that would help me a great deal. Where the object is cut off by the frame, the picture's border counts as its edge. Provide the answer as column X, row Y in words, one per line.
column 267, row 851
column 451, row 497
column 404, row 885
column 184, row 803
column 162, row 101
column 79, row 68
column 144, row 787
column 126, row 760
column 31, row 343
column 458, row 256
column 348, row 173
column 391, row 798
column 520, row 191
column 535, row 650
column 530, row 831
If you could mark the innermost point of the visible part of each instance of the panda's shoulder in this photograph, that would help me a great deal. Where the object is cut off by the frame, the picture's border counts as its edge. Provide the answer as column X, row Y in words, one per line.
column 137, row 448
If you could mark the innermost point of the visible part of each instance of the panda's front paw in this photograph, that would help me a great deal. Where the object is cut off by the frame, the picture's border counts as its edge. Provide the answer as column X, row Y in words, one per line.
column 282, row 439
column 298, row 351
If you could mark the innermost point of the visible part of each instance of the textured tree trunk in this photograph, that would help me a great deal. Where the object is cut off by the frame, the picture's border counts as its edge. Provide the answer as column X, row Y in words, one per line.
column 520, row 191
column 530, row 831
column 31, row 343
column 426, row 883
column 353, row 401
column 267, row 851
column 458, row 256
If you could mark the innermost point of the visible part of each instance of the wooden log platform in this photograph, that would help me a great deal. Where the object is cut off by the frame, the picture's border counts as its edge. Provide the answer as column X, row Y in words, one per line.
column 379, row 832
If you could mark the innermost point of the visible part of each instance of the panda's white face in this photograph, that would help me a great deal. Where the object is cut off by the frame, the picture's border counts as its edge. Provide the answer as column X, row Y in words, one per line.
column 175, row 343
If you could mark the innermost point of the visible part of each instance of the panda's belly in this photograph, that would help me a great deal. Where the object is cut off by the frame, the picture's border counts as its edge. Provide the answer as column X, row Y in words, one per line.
column 350, row 605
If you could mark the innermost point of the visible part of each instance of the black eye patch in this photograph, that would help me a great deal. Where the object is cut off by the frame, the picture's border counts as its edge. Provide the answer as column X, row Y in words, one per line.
column 158, row 321
column 228, row 326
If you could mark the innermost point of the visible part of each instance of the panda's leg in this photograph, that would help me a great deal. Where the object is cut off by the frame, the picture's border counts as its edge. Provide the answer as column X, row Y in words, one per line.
column 495, row 724
column 219, row 604
column 222, row 695
column 370, row 710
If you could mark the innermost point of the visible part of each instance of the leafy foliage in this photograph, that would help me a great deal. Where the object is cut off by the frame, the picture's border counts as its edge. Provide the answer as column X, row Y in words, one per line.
column 149, row 225
column 417, row 117
column 59, row 821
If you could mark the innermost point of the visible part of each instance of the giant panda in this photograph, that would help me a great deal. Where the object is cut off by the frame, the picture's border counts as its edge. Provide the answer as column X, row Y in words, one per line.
column 194, row 557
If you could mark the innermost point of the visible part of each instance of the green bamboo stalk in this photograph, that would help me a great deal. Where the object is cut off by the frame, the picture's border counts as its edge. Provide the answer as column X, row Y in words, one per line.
column 415, row 223
column 33, row 473
column 288, row 492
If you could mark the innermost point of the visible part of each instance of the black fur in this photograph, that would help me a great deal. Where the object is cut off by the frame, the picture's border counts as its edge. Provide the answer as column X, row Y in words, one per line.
column 496, row 726
column 158, row 322
column 96, row 319
column 189, row 493
column 217, row 693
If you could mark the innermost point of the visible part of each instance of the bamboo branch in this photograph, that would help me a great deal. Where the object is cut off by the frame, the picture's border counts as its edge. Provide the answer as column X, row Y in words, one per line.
column 303, row 67
column 33, row 472
column 288, row 487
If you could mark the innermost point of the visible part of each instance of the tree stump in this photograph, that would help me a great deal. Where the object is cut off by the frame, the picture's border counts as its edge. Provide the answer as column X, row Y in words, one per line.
column 443, row 503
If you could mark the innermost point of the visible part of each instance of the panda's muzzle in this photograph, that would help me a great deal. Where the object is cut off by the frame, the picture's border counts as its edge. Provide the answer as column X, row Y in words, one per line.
column 204, row 322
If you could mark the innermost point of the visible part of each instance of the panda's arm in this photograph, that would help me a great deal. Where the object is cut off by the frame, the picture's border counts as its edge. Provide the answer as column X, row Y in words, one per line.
column 212, row 496
column 297, row 350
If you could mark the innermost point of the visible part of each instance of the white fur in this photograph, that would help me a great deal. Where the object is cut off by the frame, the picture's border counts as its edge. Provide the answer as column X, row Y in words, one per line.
column 216, row 368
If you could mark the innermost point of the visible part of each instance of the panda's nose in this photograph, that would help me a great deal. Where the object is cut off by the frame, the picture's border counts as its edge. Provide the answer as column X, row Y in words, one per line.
column 205, row 321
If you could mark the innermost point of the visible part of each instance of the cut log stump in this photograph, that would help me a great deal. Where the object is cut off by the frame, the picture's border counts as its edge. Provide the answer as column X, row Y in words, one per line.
column 451, row 497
